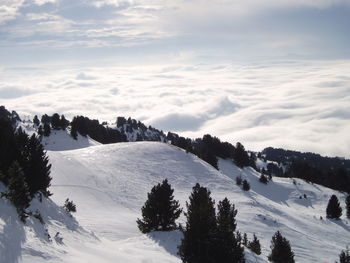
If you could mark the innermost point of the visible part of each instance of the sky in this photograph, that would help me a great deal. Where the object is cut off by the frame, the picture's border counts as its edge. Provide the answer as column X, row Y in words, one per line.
column 265, row 73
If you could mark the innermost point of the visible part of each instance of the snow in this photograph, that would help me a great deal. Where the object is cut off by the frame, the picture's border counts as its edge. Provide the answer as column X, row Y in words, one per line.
column 109, row 185
column 61, row 141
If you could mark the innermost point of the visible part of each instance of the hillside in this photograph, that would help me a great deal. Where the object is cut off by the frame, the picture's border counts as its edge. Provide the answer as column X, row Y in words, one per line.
column 109, row 184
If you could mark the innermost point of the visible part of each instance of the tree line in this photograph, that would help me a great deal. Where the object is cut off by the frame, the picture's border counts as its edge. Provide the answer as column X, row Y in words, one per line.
column 24, row 166
column 210, row 147
column 332, row 172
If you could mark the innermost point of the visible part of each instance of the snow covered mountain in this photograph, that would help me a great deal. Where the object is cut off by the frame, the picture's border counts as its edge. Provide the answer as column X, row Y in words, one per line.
column 109, row 185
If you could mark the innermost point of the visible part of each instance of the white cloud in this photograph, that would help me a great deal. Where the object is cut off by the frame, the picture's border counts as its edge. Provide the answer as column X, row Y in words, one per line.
column 130, row 22
column 297, row 105
column 43, row 2
column 9, row 9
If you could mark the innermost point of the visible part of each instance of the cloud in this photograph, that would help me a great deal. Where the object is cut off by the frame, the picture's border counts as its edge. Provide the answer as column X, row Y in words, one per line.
column 9, row 10
column 13, row 92
column 84, row 76
column 215, row 28
column 301, row 105
column 178, row 122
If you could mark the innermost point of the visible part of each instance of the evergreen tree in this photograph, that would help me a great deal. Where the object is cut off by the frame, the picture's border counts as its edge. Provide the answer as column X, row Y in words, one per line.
column 254, row 245
column 245, row 239
column 160, row 210
column 37, row 170
column 7, row 142
column 333, row 208
column 64, row 122
column 46, row 119
column 240, row 156
column 18, row 191
column 228, row 248
column 281, row 251
column 21, row 146
column 344, row 256
column 47, row 129
column 40, row 131
column 55, row 121
column 347, row 202
column 36, row 120
column 198, row 244
column 263, row 179
column 70, row 206
column 245, row 185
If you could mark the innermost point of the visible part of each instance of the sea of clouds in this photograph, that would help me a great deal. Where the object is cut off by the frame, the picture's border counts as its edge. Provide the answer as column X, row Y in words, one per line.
column 301, row 105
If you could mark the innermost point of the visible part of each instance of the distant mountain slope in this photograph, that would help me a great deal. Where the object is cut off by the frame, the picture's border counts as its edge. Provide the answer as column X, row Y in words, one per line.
column 315, row 160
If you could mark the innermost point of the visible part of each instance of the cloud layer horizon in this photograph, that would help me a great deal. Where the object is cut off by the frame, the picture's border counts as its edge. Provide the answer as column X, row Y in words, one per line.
column 300, row 105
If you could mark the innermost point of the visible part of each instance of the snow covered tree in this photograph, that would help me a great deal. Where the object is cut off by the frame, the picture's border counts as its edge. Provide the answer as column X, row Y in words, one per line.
column 254, row 245
column 344, row 256
column 245, row 185
column 198, row 243
column 160, row 210
column 347, row 202
column 333, row 208
column 228, row 248
column 281, row 251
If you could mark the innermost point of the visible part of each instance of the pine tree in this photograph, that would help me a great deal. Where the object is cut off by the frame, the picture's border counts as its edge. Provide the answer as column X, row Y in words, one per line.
column 198, row 244
column 263, row 179
column 7, row 149
column 40, row 130
column 18, row 191
column 37, row 171
column 254, row 245
column 47, row 129
column 333, row 208
column 245, row 185
column 347, row 202
column 160, row 210
column 281, row 251
column 64, row 122
column 45, row 119
column 344, row 256
column 228, row 248
column 56, row 121
column 240, row 156
column 70, row 206
column 245, row 239
column 36, row 120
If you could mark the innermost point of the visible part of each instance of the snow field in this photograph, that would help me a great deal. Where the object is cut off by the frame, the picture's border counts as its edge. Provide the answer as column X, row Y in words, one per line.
column 109, row 185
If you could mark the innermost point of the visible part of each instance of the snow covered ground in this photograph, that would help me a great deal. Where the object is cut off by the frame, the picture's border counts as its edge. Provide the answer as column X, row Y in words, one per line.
column 109, row 185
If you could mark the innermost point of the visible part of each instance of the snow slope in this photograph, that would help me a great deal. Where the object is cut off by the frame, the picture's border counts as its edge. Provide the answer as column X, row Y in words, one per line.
column 109, row 185
column 59, row 140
